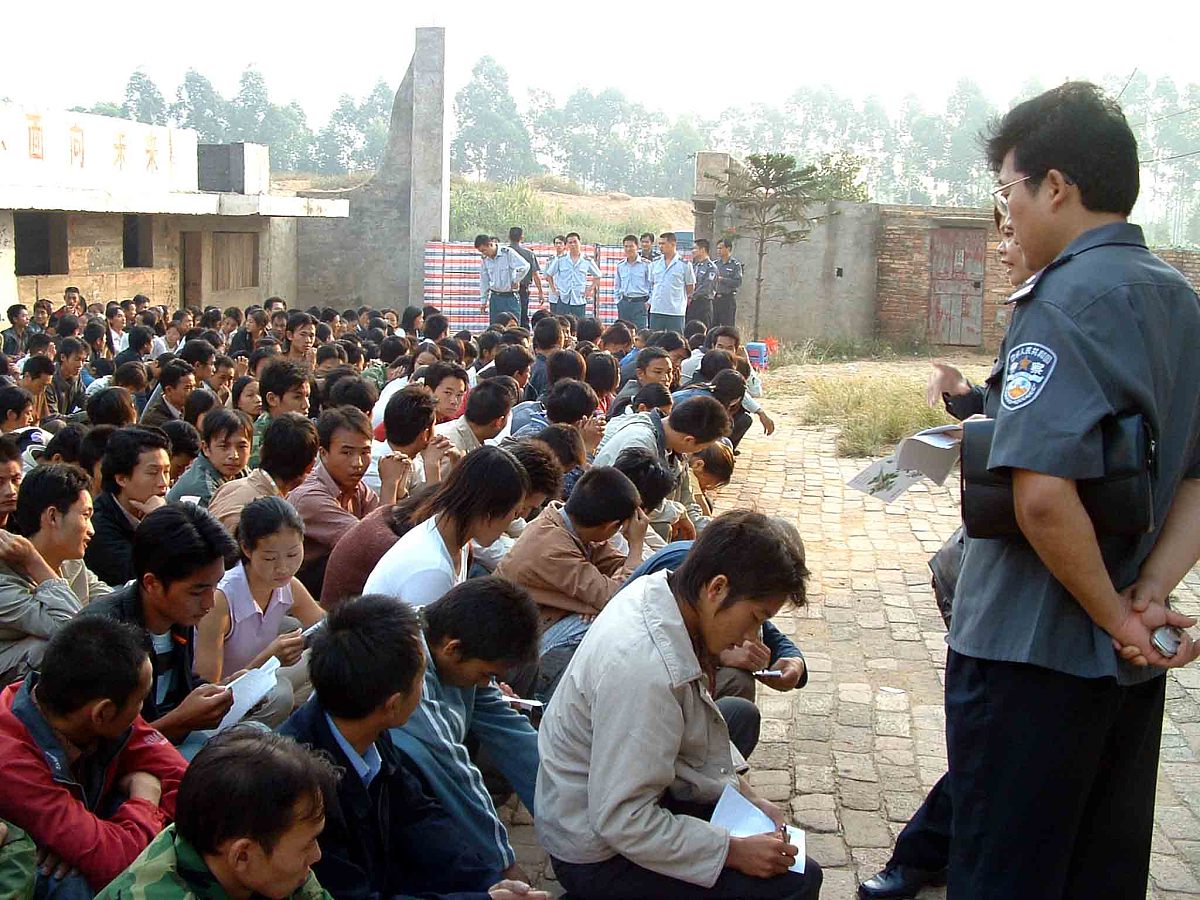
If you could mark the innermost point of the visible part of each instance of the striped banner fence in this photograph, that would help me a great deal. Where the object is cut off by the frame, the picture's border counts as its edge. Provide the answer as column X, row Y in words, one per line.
column 452, row 280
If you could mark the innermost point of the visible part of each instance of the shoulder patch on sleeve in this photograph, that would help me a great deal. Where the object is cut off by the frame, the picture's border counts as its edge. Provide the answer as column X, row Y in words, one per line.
column 1027, row 371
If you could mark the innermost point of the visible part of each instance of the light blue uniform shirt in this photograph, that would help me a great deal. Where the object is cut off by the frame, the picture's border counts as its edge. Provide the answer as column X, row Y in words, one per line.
column 633, row 279
column 501, row 272
column 668, row 285
column 571, row 277
column 367, row 766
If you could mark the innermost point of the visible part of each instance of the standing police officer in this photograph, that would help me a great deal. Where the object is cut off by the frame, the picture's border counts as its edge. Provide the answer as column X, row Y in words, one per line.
column 729, row 279
column 1052, row 735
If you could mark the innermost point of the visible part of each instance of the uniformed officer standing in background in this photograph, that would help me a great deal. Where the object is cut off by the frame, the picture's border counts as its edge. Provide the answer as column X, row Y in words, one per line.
column 1052, row 736
column 729, row 280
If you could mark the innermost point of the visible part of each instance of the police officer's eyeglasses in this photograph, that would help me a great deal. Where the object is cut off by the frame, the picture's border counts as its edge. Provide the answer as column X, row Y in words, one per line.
column 1000, row 196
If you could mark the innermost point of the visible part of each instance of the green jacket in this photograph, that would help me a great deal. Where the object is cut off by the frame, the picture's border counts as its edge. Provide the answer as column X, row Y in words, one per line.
column 17, row 865
column 201, row 480
column 172, row 869
column 260, row 428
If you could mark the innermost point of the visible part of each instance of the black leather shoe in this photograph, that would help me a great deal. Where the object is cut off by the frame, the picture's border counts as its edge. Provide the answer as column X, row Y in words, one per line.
column 900, row 883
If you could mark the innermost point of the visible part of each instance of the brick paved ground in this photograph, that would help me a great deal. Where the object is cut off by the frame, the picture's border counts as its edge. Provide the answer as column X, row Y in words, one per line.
column 855, row 751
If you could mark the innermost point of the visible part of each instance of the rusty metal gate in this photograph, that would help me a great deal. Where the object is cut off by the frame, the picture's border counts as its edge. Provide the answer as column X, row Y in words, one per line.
column 956, row 263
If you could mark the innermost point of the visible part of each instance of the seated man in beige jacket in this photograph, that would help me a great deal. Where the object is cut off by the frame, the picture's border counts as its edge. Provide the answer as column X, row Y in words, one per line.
column 43, row 580
column 564, row 558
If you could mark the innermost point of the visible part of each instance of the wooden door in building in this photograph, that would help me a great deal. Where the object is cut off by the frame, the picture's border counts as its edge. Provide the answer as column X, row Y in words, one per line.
column 956, row 263
column 193, row 265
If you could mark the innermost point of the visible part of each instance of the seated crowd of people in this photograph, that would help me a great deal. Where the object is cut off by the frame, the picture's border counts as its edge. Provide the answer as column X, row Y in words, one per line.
column 474, row 565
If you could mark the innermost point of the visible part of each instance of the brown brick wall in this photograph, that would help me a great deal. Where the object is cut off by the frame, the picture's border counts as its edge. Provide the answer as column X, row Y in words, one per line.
column 902, row 298
column 903, row 272
column 1186, row 261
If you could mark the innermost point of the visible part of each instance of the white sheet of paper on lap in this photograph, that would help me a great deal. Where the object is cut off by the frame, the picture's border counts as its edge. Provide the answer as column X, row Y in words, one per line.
column 248, row 690
column 741, row 818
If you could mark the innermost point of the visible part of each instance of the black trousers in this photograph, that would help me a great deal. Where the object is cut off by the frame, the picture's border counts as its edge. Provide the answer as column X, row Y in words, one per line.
column 523, row 295
column 742, row 421
column 620, row 879
column 700, row 308
column 925, row 841
column 1052, row 781
column 725, row 309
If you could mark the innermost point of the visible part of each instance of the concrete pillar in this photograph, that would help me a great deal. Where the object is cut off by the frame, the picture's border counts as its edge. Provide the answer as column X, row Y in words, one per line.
column 429, row 190
column 8, row 263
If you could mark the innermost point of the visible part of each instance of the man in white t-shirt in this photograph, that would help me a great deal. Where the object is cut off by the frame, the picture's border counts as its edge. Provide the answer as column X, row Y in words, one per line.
column 407, row 425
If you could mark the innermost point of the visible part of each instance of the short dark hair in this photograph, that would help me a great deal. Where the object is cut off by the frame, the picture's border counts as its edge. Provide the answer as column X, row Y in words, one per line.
column 512, row 359
column 289, row 445
column 369, row 649
column 66, row 443
column 704, row 418
column 547, row 334
column 174, row 372
column 279, row 377
column 91, row 658
column 198, row 353
column 492, row 618
column 177, row 539
column 604, row 494
column 131, row 375
column 729, row 386
column 667, row 236
column 13, row 399
column 15, row 310
column 355, row 391
column 653, row 480
column 487, row 341
column 198, row 403
column 648, row 234
column 718, row 460
column 436, row 373
column 55, row 485
column 569, row 401
column 111, row 406
column 488, row 401
column 653, row 395
column 409, row 412
column 488, row 483
column 327, row 352
column 760, row 556
column 222, row 422
column 1078, row 130
column 140, row 338
column 250, row 783
column 616, row 333
column 630, row 237
column 436, row 327
column 125, row 447
column 65, row 328
column 719, row 331
column 668, row 340
column 38, row 366
column 562, row 364
column 603, row 372
column 541, row 465
column 184, row 437
column 92, row 446
column 347, row 418
column 566, row 443
column 482, row 240
column 233, row 312
column 728, row 242
column 39, row 341
column 713, row 362
column 589, row 329
column 702, row 243
column 515, row 334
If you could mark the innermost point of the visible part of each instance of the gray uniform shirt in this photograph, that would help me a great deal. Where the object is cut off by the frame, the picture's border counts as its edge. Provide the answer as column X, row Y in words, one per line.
column 1106, row 329
column 729, row 276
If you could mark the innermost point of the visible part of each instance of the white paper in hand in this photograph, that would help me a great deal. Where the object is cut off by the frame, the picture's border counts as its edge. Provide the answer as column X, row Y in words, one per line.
column 741, row 818
column 248, row 690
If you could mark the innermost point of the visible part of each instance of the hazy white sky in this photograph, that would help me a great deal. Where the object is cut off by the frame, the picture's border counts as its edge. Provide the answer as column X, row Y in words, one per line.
column 702, row 57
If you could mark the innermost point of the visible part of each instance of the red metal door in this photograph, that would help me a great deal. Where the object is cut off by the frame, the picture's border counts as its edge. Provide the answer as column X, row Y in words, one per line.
column 956, row 264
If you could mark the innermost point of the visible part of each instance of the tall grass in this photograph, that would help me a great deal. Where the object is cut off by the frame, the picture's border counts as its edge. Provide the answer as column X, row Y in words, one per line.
column 873, row 412
column 478, row 208
column 841, row 349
